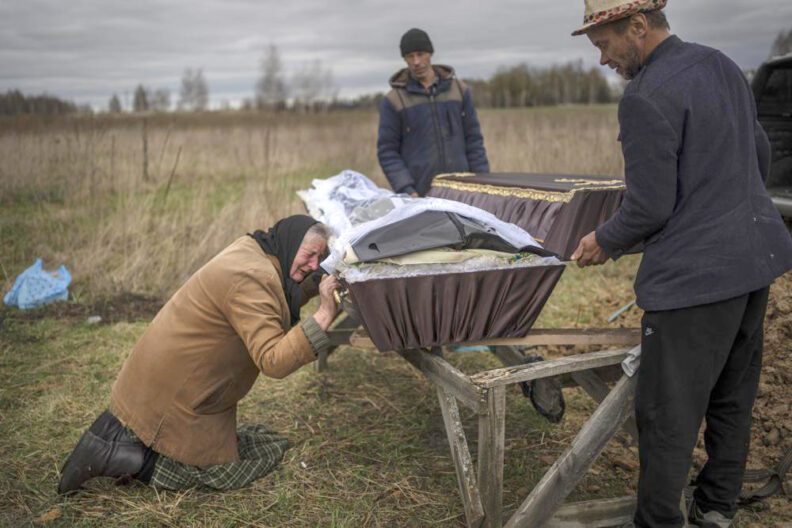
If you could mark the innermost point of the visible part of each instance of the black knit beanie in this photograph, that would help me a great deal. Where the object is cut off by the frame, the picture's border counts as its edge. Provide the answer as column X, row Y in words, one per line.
column 415, row 40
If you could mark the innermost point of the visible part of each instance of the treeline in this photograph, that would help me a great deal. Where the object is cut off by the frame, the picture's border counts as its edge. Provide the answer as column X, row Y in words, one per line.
column 522, row 85
column 312, row 89
column 193, row 96
column 14, row 102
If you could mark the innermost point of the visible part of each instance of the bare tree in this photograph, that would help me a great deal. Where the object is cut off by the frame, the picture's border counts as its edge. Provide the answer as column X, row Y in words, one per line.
column 782, row 44
column 194, row 93
column 160, row 100
column 114, row 106
column 140, row 99
column 313, row 86
column 271, row 92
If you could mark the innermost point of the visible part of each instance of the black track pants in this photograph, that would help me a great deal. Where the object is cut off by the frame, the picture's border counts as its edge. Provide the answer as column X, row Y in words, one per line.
column 698, row 362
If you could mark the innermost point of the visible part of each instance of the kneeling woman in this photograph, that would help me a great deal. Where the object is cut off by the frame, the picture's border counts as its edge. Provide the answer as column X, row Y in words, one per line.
column 172, row 417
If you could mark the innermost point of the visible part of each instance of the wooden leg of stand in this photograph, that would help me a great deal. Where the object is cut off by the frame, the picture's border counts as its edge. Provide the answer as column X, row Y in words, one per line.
column 492, row 428
column 566, row 472
column 596, row 387
column 466, row 475
column 321, row 361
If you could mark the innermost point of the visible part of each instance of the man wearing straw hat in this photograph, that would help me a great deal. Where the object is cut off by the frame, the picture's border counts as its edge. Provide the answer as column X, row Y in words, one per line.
column 695, row 164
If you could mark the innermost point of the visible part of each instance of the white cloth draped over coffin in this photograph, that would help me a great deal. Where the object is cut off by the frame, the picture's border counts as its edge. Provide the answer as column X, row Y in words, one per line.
column 333, row 200
column 354, row 207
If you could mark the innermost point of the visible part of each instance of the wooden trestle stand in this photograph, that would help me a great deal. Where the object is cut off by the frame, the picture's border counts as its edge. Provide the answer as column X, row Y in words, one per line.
column 481, row 484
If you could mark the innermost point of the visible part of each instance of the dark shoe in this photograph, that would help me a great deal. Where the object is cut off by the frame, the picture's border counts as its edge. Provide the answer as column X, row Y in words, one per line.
column 545, row 394
column 109, row 428
column 711, row 519
column 96, row 457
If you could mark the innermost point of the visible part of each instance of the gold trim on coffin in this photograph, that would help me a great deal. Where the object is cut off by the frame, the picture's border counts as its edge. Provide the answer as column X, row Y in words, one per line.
column 580, row 184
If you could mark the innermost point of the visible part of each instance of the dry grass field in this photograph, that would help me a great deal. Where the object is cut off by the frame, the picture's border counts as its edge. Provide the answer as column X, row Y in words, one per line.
column 87, row 193
column 135, row 207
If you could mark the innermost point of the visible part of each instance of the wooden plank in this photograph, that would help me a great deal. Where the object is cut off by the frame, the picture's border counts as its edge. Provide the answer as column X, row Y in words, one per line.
column 339, row 333
column 466, row 475
column 594, row 514
column 491, row 433
column 441, row 373
column 596, row 387
column 360, row 339
column 340, row 336
column 547, row 368
column 567, row 471
column 509, row 355
column 321, row 360
column 546, row 337
column 569, row 336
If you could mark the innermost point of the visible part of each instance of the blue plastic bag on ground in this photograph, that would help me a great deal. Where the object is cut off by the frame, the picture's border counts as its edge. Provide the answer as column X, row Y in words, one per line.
column 36, row 287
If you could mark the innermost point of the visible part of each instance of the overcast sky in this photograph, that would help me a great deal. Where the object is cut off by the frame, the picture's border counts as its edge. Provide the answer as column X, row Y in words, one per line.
column 86, row 50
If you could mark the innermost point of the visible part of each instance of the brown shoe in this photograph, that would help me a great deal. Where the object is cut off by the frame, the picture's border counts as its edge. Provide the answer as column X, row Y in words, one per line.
column 96, row 457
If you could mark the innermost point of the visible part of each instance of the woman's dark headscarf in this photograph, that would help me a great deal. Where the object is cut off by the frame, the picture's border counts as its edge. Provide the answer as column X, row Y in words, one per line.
column 282, row 242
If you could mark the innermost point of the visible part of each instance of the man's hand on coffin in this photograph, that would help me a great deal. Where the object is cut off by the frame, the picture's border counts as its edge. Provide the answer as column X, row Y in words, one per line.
column 328, row 309
column 589, row 252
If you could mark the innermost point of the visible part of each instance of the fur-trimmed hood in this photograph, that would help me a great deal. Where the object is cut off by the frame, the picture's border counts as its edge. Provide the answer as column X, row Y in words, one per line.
column 402, row 78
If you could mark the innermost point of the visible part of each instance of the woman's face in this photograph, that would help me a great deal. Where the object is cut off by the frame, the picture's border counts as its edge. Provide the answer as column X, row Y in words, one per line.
column 307, row 259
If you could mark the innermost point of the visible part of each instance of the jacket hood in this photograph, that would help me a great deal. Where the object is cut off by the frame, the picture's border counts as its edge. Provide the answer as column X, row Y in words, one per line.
column 402, row 78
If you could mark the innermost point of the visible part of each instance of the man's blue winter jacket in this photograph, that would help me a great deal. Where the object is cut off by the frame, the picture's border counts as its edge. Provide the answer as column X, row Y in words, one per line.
column 426, row 132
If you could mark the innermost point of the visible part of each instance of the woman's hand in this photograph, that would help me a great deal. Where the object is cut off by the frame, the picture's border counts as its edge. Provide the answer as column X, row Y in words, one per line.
column 328, row 309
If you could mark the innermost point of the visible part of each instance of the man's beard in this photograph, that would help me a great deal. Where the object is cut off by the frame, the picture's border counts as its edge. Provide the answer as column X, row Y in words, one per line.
column 632, row 62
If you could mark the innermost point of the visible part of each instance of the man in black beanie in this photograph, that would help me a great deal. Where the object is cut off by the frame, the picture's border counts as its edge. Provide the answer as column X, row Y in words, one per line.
column 428, row 124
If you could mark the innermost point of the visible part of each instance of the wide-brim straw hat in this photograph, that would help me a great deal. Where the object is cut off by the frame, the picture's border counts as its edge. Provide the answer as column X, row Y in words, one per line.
column 599, row 12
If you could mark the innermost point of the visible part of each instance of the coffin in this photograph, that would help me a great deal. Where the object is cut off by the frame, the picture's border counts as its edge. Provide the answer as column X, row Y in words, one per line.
column 440, row 309
column 556, row 209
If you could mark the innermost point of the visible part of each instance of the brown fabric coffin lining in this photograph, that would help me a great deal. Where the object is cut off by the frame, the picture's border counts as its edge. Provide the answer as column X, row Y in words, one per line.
column 580, row 217
column 561, row 225
column 453, row 308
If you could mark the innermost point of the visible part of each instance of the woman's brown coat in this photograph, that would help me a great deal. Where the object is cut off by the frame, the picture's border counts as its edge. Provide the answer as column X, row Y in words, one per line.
column 179, row 388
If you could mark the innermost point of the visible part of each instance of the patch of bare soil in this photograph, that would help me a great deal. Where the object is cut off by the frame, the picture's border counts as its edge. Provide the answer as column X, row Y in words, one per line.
column 771, row 436
column 122, row 307
column 772, row 430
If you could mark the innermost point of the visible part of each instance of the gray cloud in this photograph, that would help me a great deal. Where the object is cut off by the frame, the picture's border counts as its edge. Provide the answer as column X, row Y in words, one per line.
column 86, row 50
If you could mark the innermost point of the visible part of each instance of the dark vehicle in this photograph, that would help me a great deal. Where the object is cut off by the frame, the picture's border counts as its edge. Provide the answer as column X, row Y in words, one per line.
column 772, row 87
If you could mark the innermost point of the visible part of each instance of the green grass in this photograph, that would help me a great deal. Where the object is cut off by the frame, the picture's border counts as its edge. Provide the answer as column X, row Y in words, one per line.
column 369, row 448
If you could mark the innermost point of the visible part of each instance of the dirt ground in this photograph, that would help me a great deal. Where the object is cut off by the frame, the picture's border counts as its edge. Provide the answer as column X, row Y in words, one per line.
column 772, row 427
column 772, row 415
column 127, row 307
